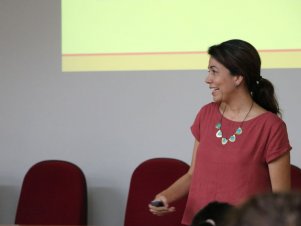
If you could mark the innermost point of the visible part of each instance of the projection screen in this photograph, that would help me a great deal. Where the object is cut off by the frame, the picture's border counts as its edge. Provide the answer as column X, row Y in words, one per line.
column 114, row 35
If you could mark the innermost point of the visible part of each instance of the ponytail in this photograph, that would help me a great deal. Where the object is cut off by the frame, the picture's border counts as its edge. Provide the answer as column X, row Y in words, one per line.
column 263, row 93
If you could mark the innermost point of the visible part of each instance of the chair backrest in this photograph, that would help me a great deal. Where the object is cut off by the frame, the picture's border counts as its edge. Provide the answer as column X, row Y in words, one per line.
column 148, row 179
column 296, row 178
column 53, row 192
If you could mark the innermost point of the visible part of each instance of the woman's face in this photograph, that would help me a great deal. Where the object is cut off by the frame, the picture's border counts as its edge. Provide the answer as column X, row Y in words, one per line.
column 220, row 81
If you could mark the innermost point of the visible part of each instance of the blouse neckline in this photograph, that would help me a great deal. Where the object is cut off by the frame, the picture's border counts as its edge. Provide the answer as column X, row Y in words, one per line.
column 246, row 121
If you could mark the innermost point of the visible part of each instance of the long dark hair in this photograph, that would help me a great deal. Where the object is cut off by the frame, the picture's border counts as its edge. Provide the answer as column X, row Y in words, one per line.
column 241, row 58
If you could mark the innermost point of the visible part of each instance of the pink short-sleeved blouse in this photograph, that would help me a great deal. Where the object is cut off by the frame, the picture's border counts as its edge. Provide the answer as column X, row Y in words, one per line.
column 235, row 171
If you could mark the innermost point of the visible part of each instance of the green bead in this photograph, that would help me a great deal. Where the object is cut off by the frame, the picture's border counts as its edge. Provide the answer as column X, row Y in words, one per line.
column 224, row 141
column 238, row 131
column 219, row 134
column 232, row 138
column 218, row 125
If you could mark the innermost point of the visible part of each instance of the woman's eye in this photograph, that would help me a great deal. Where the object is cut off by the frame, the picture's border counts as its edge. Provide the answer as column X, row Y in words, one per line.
column 211, row 71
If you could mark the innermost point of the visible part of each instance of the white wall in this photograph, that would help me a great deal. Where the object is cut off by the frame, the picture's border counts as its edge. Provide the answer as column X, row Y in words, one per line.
column 105, row 122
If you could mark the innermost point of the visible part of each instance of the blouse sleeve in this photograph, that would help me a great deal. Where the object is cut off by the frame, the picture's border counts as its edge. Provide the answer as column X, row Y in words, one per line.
column 278, row 142
column 195, row 128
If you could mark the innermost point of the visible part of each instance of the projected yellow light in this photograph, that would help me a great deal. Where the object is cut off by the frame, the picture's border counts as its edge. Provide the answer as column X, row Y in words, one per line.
column 106, row 35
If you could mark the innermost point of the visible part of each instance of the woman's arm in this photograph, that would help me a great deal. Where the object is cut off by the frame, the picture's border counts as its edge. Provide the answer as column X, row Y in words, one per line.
column 280, row 173
column 177, row 190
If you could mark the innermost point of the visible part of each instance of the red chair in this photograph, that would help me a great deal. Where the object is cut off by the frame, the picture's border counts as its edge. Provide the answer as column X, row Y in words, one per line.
column 148, row 179
column 296, row 178
column 53, row 192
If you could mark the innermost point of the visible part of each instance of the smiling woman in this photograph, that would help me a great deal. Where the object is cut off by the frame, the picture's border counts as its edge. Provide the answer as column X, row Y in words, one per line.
column 241, row 144
column 128, row 35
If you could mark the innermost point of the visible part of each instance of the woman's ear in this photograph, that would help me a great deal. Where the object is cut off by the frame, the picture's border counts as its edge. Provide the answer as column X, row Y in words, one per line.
column 238, row 79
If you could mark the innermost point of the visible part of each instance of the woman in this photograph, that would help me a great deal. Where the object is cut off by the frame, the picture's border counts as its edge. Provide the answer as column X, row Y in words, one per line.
column 241, row 144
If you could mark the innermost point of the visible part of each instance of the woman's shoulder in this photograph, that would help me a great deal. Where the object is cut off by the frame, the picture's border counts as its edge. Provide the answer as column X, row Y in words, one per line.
column 212, row 106
column 267, row 118
column 209, row 108
column 206, row 110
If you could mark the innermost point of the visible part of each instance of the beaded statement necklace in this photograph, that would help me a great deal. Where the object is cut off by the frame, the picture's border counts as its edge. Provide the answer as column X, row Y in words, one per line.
column 238, row 131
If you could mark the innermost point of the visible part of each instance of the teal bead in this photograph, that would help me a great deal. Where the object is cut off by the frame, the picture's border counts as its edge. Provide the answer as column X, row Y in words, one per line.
column 219, row 134
column 238, row 131
column 218, row 125
column 232, row 138
column 224, row 141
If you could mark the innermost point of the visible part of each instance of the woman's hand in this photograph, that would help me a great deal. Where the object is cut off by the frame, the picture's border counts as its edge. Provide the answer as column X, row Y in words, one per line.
column 161, row 210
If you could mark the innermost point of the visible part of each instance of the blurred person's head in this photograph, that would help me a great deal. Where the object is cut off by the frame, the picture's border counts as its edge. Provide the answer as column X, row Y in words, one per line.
column 272, row 209
column 212, row 214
